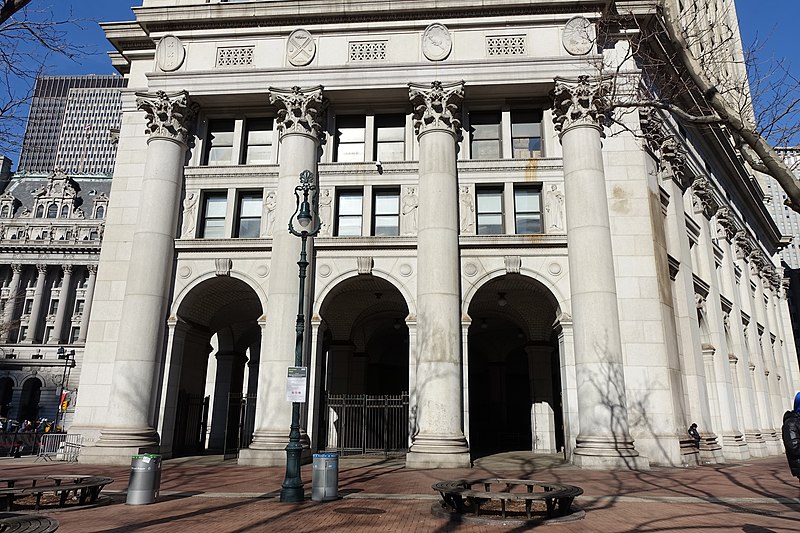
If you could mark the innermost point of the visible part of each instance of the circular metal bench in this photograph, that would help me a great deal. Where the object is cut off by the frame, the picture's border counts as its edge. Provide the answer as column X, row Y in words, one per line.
column 459, row 495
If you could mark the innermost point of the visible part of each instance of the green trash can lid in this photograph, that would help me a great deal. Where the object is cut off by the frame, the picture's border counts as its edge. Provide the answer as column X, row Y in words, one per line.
column 137, row 457
column 152, row 455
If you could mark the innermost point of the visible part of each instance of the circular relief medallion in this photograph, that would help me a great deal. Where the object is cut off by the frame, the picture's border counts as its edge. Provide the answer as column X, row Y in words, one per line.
column 578, row 36
column 405, row 269
column 324, row 270
column 301, row 48
column 470, row 269
column 184, row 271
column 262, row 271
column 436, row 42
column 170, row 53
column 554, row 268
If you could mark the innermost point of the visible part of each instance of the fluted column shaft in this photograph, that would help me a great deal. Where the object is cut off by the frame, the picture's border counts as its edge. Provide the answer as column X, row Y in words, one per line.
column 439, row 437
column 88, row 296
column 129, row 420
column 604, row 439
column 36, row 308
column 63, row 298
column 11, row 303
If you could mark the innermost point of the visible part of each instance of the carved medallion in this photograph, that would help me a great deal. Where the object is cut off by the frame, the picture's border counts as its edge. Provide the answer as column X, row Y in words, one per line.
column 170, row 53
column 436, row 42
column 301, row 48
column 578, row 36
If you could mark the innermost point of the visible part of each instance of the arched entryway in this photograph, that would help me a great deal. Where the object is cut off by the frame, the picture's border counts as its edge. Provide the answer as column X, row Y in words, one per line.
column 29, row 399
column 514, row 369
column 6, row 394
column 363, row 368
column 215, row 350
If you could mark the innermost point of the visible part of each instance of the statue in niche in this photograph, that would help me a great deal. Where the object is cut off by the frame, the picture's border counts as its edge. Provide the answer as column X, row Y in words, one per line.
column 270, row 203
column 410, row 205
column 467, row 210
column 325, row 200
column 554, row 206
column 189, row 204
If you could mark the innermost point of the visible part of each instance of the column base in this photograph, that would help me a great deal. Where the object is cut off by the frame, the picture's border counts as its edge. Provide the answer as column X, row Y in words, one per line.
column 734, row 447
column 105, row 455
column 756, row 444
column 607, row 453
column 128, row 438
column 710, row 450
column 772, row 440
column 432, row 451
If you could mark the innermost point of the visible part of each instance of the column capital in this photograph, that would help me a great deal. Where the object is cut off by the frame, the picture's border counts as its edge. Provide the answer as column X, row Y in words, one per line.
column 743, row 244
column 16, row 267
column 580, row 102
column 92, row 269
column 726, row 224
column 437, row 106
column 703, row 197
column 67, row 268
column 169, row 115
column 300, row 110
column 42, row 268
column 672, row 155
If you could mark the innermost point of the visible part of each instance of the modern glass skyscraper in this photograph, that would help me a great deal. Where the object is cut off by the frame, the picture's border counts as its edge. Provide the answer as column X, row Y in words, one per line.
column 70, row 125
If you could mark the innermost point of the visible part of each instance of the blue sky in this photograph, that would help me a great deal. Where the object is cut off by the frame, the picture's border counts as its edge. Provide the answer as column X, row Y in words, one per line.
column 770, row 22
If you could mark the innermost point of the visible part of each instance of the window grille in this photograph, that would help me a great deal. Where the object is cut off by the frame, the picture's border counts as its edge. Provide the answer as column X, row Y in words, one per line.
column 368, row 51
column 506, row 45
column 235, row 57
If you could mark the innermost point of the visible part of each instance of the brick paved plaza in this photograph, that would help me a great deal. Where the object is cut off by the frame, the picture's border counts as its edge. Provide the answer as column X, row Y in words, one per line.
column 756, row 496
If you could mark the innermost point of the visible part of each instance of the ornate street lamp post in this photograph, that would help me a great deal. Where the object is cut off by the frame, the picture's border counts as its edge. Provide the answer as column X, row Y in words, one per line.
column 292, row 488
column 69, row 363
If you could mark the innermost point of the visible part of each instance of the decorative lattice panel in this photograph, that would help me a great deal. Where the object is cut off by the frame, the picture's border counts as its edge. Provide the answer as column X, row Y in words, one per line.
column 235, row 57
column 506, row 45
column 368, row 51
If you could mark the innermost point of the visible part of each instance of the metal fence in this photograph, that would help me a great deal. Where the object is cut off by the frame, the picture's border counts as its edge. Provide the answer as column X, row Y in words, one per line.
column 240, row 423
column 191, row 418
column 59, row 446
column 357, row 424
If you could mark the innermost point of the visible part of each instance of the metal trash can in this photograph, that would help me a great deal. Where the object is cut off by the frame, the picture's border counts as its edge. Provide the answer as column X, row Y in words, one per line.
column 145, row 480
column 325, row 477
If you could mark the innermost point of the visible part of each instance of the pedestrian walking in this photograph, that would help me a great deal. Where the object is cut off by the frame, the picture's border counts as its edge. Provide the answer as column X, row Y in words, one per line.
column 791, row 436
column 695, row 435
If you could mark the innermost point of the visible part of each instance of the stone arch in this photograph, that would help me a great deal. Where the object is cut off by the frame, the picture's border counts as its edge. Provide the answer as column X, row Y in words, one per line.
column 557, row 297
column 30, row 398
column 323, row 293
column 182, row 294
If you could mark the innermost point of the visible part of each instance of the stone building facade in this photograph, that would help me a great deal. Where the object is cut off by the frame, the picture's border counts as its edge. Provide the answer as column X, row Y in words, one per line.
column 527, row 275
column 51, row 227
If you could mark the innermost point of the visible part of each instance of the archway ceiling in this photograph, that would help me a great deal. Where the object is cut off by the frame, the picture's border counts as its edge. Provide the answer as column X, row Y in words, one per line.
column 529, row 305
column 360, row 299
column 220, row 302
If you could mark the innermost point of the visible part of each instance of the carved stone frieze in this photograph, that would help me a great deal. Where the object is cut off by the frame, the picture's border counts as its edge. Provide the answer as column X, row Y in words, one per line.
column 437, row 106
column 726, row 226
column 580, row 102
column 169, row 115
column 300, row 110
column 703, row 197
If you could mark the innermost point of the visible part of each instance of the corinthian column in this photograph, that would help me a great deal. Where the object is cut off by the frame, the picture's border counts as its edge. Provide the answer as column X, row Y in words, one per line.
column 439, row 436
column 604, row 440
column 88, row 296
column 38, row 301
column 128, row 424
column 12, row 302
column 63, row 299
column 300, row 128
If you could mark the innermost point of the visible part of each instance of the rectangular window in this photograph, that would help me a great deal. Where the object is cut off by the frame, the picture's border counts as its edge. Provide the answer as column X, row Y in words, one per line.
column 48, row 334
column 214, row 216
column 248, row 220
column 53, row 307
column 490, row 210
column 258, row 141
column 527, row 210
column 219, row 143
column 349, row 212
column 73, row 334
column 350, row 138
column 23, row 332
column 390, row 135
column 79, row 307
column 485, row 135
column 386, row 213
column 526, row 133
column 28, row 307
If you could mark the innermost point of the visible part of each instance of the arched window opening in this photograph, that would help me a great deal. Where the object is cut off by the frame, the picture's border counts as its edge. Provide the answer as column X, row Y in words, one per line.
column 100, row 213
column 39, row 211
column 52, row 211
column 65, row 211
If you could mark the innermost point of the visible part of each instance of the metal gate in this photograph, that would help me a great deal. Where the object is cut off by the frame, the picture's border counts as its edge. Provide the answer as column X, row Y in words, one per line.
column 240, row 423
column 191, row 420
column 357, row 424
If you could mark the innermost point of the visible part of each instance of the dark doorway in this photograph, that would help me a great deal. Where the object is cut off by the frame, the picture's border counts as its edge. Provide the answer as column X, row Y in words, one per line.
column 29, row 401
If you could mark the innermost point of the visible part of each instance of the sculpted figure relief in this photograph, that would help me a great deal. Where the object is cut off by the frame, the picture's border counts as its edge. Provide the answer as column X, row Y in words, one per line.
column 270, row 203
column 325, row 212
column 554, row 206
column 467, row 210
column 189, row 204
column 410, row 205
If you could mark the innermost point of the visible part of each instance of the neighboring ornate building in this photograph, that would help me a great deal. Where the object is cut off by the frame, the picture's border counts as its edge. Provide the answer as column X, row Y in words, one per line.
column 497, row 267
column 50, row 233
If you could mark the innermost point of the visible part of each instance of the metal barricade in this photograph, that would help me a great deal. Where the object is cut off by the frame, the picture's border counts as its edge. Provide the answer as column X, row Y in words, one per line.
column 49, row 445
column 71, row 449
